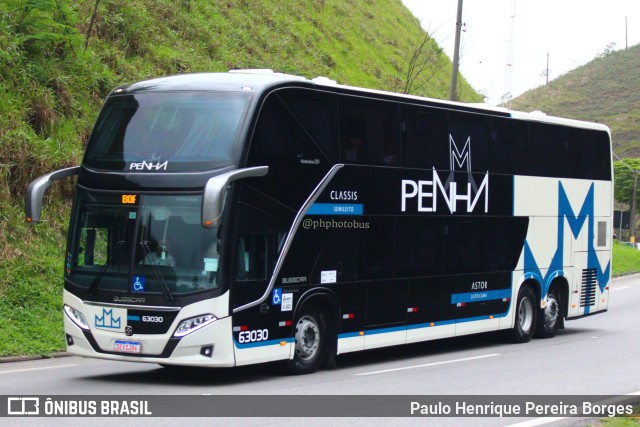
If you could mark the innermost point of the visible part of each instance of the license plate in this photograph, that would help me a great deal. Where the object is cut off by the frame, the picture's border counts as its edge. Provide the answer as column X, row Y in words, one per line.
column 127, row 346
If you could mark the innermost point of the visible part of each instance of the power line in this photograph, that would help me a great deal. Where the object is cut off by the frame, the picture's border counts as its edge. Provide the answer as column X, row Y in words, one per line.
column 508, row 75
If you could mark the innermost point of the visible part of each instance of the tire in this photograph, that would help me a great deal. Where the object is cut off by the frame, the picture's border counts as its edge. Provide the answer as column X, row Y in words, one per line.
column 549, row 318
column 525, row 316
column 310, row 342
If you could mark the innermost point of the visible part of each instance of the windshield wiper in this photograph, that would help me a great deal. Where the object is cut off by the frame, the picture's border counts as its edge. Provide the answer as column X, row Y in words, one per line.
column 165, row 288
column 96, row 280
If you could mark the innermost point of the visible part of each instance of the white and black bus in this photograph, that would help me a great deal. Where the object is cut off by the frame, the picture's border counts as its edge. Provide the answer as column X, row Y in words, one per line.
column 246, row 217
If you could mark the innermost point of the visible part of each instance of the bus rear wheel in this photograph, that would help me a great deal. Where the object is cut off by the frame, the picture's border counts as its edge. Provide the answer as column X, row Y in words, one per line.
column 549, row 318
column 525, row 316
column 310, row 341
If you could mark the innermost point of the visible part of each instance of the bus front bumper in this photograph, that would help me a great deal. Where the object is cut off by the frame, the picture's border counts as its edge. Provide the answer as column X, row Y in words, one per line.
column 208, row 346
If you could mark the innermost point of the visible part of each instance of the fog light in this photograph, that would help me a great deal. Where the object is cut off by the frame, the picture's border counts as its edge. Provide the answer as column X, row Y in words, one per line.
column 69, row 340
column 207, row 351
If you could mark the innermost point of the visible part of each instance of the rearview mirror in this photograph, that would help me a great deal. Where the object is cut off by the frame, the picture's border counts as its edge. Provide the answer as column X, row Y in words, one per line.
column 214, row 192
column 37, row 188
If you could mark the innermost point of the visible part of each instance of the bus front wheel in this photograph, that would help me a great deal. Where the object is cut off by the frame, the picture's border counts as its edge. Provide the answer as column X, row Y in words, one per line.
column 310, row 341
column 525, row 316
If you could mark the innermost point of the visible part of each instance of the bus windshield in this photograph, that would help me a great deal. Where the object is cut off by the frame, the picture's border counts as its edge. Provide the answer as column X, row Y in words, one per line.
column 149, row 243
column 172, row 132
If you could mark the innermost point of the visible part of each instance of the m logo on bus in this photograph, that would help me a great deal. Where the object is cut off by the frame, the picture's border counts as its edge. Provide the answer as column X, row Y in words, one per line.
column 426, row 191
column 107, row 320
column 457, row 157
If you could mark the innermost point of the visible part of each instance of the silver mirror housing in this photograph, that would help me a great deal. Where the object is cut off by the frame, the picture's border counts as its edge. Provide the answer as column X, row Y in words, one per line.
column 214, row 192
column 37, row 188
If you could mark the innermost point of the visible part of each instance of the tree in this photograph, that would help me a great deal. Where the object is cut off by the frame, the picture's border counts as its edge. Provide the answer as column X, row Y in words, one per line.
column 623, row 178
column 425, row 63
column 91, row 22
column 626, row 181
column 608, row 50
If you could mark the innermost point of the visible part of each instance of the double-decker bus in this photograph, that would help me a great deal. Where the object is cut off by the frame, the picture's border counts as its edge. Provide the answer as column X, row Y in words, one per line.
column 225, row 219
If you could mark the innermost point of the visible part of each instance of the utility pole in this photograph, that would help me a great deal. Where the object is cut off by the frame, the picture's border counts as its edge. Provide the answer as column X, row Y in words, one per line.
column 547, row 72
column 632, row 238
column 456, row 55
column 508, row 74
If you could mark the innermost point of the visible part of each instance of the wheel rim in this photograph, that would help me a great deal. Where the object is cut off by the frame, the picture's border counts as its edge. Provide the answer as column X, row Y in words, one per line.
column 551, row 311
column 307, row 338
column 525, row 314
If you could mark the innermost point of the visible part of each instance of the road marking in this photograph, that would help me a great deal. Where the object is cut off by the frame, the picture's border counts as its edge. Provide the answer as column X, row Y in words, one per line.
column 537, row 422
column 547, row 420
column 444, row 362
column 620, row 288
column 37, row 369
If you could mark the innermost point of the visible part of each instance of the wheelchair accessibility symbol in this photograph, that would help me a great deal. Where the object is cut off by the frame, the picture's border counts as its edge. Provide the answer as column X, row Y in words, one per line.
column 138, row 283
column 276, row 297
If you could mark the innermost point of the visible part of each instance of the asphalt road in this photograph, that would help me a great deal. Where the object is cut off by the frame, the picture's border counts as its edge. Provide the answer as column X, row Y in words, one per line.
column 594, row 355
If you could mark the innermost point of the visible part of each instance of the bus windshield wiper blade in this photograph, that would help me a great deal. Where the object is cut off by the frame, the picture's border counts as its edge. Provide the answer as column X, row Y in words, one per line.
column 165, row 288
column 96, row 280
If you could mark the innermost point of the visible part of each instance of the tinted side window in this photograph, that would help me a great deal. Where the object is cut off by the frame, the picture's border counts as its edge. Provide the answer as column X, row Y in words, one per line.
column 603, row 156
column 505, row 239
column 280, row 142
column 465, row 245
column 316, row 112
column 582, row 155
column 369, row 132
column 279, row 136
column 363, row 253
column 510, row 146
column 564, row 152
column 419, row 247
column 339, row 252
column 252, row 242
column 550, row 150
column 425, row 137
column 377, row 248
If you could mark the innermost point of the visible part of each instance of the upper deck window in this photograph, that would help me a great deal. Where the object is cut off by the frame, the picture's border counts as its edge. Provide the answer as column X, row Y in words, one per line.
column 167, row 131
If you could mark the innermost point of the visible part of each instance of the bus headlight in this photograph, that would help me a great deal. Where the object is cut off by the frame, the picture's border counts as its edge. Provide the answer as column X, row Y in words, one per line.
column 193, row 324
column 76, row 317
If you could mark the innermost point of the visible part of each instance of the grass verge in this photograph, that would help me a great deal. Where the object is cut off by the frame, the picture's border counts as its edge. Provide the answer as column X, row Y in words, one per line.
column 626, row 259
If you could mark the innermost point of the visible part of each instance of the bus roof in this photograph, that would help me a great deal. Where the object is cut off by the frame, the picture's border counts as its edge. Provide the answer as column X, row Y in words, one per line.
column 240, row 80
column 260, row 80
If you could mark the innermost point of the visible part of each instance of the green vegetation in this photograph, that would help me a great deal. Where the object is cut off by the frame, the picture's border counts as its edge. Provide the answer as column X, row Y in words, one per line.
column 605, row 90
column 618, row 422
column 624, row 179
column 623, row 189
column 626, row 259
column 58, row 60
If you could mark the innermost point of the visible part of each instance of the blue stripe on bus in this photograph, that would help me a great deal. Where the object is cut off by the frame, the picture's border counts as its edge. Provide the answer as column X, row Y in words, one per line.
column 262, row 343
column 335, row 209
column 386, row 330
column 422, row 325
column 480, row 296
column 134, row 318
column 349, row 335
column 381, row 330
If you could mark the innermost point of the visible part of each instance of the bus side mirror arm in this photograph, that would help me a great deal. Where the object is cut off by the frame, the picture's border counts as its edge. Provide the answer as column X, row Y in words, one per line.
column 214, row 192
column 37, row 188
